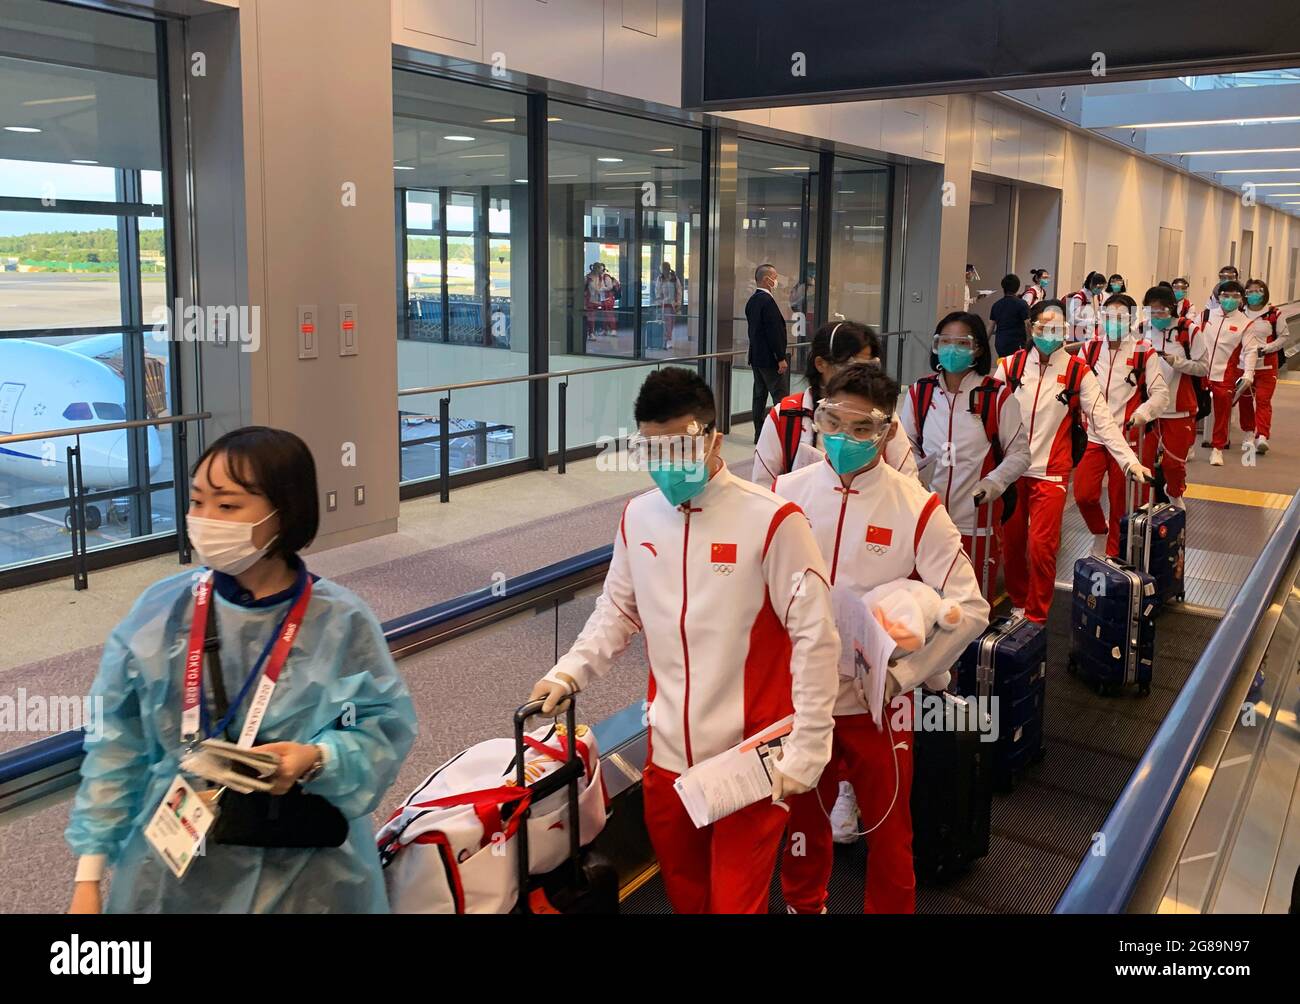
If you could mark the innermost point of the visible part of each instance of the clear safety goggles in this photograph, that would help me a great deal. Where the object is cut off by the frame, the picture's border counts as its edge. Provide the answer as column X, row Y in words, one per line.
column 1053, row 330
column 957, row 341
column 1157, row 312
column 690, row 447
column 832, row 418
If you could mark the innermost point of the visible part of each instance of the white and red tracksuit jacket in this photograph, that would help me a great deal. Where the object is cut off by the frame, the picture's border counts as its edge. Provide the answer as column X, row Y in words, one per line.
column 886, row 526
column 1113, row 364
column 1260, row 336
column 1082, row 313
column 733, row 597
column 1224, row 334
column 1185, row 344
column 1048, row 419
column 1032, row 294
column 953, row 471
column 1187, row 310
column 769, row 452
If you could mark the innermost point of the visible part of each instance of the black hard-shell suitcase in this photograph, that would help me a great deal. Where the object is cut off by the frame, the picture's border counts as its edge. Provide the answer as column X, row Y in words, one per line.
column 1009, row 662
column 586, row 883
column 1112, row 622
column 952, row 794
column 1161, row 531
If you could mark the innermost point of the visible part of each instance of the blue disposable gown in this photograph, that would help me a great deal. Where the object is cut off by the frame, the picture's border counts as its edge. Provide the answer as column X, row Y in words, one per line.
column 339, row 689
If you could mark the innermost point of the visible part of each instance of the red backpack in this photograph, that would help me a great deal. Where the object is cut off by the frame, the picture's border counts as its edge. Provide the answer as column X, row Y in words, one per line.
column 1069, row 397
column 789, row 416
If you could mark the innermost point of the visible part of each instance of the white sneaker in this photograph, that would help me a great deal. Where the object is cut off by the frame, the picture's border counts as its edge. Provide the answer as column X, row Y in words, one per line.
column 1261, row 444
column 1099, row 545
column 844, row 816
column 1178, row 501
column 1216, row 458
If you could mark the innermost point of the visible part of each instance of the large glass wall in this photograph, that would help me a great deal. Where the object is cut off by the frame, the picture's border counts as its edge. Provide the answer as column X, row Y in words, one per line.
column 460, row 169
column 858, row 232
column 625, row 218
column 84, row 333
column 776, row 223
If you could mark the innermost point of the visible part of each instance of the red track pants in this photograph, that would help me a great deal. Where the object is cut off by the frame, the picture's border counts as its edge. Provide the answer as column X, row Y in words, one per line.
column 1031, row 539
column 723, row 868
column 863, row 756
column 1097, row 463
column 1177, row 435
column 1256, row 410
column 1221, row 394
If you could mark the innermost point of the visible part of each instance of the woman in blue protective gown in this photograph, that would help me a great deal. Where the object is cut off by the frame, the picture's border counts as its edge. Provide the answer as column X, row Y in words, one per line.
column 339, row 718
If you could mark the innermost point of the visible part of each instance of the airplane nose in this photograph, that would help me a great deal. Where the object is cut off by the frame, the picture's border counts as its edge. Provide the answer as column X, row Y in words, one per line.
column 119, row 460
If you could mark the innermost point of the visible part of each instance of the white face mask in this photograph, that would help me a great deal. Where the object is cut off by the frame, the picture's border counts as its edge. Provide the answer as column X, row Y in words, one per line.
column 226, row 546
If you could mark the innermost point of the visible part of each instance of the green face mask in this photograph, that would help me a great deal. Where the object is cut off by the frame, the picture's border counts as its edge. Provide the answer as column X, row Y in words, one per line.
column 1048, row 345
column 847, row 454
column 1161, row 323
column 956, row 358
column 1229, row 303
column 1115, row 328
column 1255, row 299
column 1180, row 295
column 681, row 482
column 1117, row 287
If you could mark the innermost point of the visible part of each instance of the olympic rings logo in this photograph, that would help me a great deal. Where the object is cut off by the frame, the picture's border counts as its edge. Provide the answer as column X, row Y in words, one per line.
column 723, row 569
column 877, row 548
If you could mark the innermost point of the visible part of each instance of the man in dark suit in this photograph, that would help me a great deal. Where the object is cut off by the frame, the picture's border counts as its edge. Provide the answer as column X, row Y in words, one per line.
column 769, row 359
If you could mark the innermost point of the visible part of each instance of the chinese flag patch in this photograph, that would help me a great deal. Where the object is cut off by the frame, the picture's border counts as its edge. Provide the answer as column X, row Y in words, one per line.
column 722, row 554
column 1061, row 378
column 882, row 535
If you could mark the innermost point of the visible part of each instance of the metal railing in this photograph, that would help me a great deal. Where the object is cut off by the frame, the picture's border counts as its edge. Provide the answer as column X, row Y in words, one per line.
column 724, row 359
column 1105, row 883
column 78, row 497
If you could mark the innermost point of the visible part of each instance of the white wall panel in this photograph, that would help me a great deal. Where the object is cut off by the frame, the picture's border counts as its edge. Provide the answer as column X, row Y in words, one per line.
column 448, row 26
column 903, row 128
column 857, row 122
column 808, row 120
column 562, row 40
column 982, row 151
column 936, row 126
column 643, row 49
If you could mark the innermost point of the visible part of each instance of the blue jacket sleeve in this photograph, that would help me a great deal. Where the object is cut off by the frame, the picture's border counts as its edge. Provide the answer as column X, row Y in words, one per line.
column 115, row 771
column 366, row 744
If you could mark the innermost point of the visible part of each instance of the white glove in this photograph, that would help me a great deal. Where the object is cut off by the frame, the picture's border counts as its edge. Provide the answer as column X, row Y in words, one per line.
column 783, row 785
column 1141, row 473
column 986, row 491
column 554, row 693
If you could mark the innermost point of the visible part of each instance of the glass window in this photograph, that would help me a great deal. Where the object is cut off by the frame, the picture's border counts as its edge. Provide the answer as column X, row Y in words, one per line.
column 859, row 236
column 460, row 159
column 81, row 272
column 776, row 224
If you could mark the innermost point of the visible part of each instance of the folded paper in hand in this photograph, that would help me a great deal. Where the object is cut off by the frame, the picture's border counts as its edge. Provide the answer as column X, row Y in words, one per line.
column 733, row 779
column 865, row 647
column 236, row 767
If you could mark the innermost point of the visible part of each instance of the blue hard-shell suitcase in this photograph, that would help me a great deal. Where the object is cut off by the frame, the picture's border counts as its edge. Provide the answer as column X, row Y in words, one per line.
column 1161, row 532
column 1112, row 624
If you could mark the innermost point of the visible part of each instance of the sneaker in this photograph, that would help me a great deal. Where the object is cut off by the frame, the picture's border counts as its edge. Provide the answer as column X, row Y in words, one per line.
column 1261, row 444
column 1179, row 502
column 1099, row 545
column 844, row 816
column 1216, row 458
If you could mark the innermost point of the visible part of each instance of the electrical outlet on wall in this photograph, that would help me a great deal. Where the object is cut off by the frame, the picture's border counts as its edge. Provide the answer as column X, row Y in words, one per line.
column 331, row 501
column 359, row 495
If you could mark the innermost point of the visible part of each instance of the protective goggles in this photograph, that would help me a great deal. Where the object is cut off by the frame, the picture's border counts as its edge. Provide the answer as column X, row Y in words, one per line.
column 1053, row 330
column 957, row 341
column 832, row 418
column 1160, row 312
column 671, row 451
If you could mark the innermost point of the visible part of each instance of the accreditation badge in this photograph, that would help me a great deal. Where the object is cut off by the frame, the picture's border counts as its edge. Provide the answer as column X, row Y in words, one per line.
column 179, row 826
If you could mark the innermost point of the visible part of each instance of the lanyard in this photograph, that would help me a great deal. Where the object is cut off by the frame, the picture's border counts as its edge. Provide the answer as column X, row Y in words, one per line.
column 274, row 655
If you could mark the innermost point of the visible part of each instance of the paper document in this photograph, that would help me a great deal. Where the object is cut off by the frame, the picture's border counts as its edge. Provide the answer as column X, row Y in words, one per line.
column 733, row 779
column 865, row 647
column 232, row 765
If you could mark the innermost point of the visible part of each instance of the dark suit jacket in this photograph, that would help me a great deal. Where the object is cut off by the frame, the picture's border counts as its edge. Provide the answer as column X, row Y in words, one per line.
column 767, row 345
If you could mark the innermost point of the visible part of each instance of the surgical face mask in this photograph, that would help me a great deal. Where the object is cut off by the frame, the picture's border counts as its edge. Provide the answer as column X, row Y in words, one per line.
column 1098, row 290
column 955, row 358
column 847, row 454
column 1161, row 323
column 1180, row 295
column 1049, row 342
column 681, row 482
column 224, row 545
column 1229, row 303
column 1117, row 287
column 1115, row 327
column 1254, row 299
column 1044, row 282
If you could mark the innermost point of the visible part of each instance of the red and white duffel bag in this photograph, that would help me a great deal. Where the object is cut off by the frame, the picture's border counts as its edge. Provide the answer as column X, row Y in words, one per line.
column 446, row 849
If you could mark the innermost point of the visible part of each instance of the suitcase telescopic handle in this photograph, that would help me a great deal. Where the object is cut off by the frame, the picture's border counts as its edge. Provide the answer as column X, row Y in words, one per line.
column 567, row 774
column 1132, row 493
column 985, row 564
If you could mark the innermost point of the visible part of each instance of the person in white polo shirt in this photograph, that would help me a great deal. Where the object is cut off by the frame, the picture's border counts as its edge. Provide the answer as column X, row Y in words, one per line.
column 873, row 525
column 726, row 581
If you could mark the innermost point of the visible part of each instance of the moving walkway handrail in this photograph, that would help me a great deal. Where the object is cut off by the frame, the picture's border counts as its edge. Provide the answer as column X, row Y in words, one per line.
column 1104, row 883
column 59, row 754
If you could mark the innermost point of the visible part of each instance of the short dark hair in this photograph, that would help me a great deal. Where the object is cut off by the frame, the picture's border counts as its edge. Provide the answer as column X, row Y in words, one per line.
column 675, row 392
column 1268, row 297
column 1092, row 279
column 1180, row 278
column 1011, row 284
column 1162, row 294
column 1043, row 306
column 1230, row 268
column 866, row 382
column 849, row 338
column 1122, row 284
column 975, row 325
column 1231, row 286
column 1122, row 298
column 762, row 270
column 277, row 465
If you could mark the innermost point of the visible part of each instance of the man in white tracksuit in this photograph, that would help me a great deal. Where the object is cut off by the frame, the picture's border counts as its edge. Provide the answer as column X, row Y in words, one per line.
column 727, row 583
column 1225, row 334
column 873, row 525
column 1128, row 370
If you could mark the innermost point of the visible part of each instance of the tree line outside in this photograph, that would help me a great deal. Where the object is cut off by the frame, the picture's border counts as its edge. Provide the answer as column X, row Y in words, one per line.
column 78, row 251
